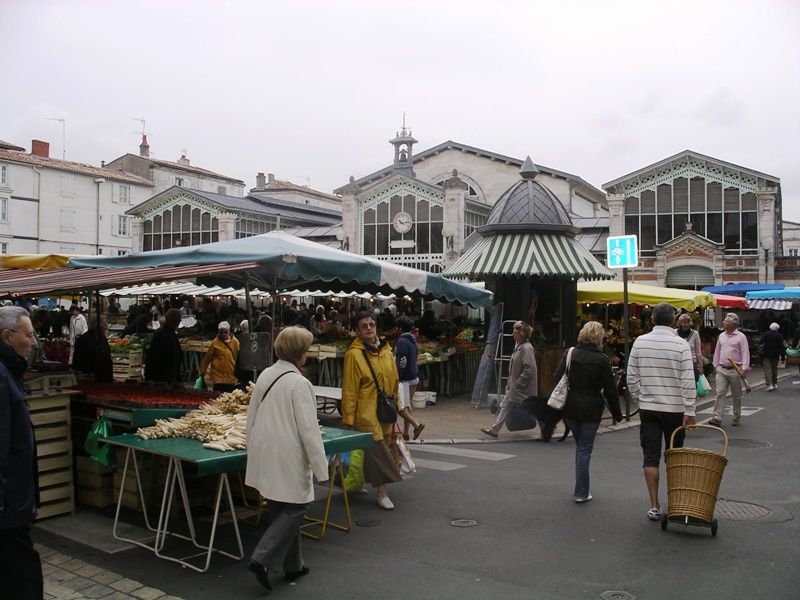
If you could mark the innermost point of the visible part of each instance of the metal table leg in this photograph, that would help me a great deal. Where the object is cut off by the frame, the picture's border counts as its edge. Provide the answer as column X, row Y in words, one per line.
column 325, row 521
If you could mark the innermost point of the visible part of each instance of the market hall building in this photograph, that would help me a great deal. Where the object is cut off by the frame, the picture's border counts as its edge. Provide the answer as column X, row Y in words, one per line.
column 420, row 210
column 701, row 222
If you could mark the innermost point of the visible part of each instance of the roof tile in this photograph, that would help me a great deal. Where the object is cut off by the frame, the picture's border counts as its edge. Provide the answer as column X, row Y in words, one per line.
column 72, row 167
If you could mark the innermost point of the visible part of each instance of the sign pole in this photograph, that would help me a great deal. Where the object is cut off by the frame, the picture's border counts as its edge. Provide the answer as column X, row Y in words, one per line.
column 625, row 334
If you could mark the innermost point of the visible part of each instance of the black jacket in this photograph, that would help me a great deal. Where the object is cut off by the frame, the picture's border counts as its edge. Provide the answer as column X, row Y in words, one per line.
column 771, row 344
column 163, row 361
column 93, row 355
column 590, row 379
column 17, row 445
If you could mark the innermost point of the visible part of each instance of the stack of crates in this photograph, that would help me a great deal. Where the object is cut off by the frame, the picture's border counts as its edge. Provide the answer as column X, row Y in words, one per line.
column 50, row 415
column 95, row 483
column 127, row 366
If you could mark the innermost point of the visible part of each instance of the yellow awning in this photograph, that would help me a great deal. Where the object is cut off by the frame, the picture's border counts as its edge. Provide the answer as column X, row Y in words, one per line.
column 611, row 291
column 33, row 261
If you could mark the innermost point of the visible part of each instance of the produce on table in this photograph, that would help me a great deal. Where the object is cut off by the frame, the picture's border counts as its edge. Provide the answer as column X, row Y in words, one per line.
column 221, row 424
column 143, row 395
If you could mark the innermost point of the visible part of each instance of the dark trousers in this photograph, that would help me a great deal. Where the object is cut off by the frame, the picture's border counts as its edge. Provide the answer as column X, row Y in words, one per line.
column 279, row 549
column 20, row 566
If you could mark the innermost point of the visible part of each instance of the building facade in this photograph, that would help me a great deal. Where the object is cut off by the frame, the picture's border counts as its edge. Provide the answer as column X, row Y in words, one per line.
column 700, row 221
column 299, row 194
column 165, row 174
column 179, row 217
column 420, row 210
column 52, row 206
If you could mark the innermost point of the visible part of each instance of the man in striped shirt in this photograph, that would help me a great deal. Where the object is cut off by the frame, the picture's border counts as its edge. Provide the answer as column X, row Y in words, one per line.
column 732, row 348
column 661, row 378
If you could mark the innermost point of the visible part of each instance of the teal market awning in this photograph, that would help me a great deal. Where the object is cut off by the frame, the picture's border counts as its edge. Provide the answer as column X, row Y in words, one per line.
column 526, row 255
column 277, row 261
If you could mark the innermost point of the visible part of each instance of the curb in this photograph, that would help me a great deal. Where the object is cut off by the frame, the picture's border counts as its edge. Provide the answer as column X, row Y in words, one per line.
column 622, row 426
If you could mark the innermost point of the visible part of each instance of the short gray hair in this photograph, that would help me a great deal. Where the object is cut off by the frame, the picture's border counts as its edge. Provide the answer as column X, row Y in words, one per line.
column 663, row 314
column 733, row 317
column 10, row 316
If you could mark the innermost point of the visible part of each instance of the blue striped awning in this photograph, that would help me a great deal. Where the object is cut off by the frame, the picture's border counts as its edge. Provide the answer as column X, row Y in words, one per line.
column 526, row 255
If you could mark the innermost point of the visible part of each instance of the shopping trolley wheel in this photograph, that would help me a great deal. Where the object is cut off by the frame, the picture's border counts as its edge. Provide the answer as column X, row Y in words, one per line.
column 664, row 521
column 714, row 527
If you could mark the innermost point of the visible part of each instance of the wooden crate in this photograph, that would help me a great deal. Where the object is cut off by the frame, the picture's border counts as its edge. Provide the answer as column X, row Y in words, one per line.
column 50, row 415
column 95, row 482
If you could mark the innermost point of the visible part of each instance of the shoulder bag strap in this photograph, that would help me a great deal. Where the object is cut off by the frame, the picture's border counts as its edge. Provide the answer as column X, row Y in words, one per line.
column 569, row 361
column 366, row 358
column 271, row 385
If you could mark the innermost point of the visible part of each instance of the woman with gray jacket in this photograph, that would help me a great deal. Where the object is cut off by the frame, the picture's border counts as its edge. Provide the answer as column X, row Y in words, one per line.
column 522, row 377
column 284, row 453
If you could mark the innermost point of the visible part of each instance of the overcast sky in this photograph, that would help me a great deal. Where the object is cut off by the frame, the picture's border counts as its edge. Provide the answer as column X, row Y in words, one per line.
column 315, row 89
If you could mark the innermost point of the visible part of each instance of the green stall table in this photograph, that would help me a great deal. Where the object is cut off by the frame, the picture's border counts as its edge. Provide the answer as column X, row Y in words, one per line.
column 207, row 462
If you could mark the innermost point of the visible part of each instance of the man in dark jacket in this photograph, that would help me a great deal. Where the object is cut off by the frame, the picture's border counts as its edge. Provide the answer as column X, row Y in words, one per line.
column 405, row 355
column 163, row 362
column 771, row 350
column 20, row 566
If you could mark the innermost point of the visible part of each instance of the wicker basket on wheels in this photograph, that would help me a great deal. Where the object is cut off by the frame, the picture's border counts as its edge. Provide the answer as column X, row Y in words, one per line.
column 693, row 479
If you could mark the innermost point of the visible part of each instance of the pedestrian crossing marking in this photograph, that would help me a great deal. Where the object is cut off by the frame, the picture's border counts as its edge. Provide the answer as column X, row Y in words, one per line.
column 464, row 452
column 746, row 410
column 437, row 465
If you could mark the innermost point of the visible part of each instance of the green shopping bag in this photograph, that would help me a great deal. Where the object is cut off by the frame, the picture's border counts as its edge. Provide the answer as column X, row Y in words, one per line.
column 99, row 451
column 199, row 383
column 354, row 480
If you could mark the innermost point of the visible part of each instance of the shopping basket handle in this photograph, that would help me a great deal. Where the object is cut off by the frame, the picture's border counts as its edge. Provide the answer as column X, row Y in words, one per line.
column 720, row 429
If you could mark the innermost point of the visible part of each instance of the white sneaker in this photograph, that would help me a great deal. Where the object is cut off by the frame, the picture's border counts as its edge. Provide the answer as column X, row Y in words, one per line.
column 769, row 388
column 385, row 503
column 774, row 387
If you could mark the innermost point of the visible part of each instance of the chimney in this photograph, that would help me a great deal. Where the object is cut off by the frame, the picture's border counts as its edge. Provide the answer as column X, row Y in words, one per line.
column 103, row 164
column 261, row 181
column 144, row 147
column 40, row 148
column 270, row 177
column 183, row 160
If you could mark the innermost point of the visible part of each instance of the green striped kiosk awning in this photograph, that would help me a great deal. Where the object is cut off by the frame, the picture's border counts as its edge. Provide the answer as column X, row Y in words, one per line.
column 526, row 255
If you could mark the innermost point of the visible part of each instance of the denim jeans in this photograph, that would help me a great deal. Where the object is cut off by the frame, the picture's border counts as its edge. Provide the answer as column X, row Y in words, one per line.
column 584, row 434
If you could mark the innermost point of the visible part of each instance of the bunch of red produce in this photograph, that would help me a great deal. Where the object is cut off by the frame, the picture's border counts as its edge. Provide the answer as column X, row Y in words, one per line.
column 144, row 395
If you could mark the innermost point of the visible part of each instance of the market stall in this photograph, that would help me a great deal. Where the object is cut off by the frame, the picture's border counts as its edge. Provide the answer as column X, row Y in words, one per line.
column 204, row 462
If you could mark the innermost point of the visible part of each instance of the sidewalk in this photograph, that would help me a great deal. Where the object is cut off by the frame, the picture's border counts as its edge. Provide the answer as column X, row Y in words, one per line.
column 455, row 420
column 67, row 578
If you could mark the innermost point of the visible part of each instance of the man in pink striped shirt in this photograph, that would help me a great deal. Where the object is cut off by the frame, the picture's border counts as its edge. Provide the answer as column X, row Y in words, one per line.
column 731, row 346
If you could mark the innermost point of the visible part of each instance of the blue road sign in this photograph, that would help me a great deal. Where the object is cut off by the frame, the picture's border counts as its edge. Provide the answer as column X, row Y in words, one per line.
column 622, row 252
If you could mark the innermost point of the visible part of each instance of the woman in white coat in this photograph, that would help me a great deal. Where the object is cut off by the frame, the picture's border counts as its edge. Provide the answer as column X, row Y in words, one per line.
column 284, row 453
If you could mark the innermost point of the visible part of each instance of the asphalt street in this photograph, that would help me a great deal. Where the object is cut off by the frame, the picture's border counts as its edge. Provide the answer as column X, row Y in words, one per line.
column 531, row 540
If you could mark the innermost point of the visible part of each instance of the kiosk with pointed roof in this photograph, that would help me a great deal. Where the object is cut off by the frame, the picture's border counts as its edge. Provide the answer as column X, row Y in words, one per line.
column 528, row 256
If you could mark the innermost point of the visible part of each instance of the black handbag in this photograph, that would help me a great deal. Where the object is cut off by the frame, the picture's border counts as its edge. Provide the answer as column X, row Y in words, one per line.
column 386, row 407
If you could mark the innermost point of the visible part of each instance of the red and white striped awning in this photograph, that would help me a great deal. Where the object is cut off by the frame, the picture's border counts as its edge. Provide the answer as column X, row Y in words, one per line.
column 769, row 304
column 14, row 282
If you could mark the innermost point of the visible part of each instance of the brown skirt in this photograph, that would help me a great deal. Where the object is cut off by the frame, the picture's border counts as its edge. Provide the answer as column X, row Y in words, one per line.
column 379, row 465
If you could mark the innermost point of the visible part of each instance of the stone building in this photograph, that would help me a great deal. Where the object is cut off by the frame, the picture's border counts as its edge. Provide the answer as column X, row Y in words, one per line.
column 184, row 217
column 181, row 173
column 54, row 206
column 420, row 210
column 700, row 221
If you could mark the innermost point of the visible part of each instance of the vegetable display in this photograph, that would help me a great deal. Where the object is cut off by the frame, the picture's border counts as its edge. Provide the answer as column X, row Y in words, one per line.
column 143, row 395
column 220, row 424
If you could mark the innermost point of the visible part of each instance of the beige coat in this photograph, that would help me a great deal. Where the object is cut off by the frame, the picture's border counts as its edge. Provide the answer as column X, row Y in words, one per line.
column 522, row 374
column 284, row 445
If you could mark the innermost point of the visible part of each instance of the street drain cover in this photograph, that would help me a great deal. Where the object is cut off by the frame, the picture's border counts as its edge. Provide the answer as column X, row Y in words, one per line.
column 617, row 595
column 740, row 511
column 463, row 522
column 368, row 523
column 744, row 443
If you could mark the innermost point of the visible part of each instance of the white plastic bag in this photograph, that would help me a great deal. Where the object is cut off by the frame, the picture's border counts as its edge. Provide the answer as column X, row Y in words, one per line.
column 406, row 465
column 704, row 382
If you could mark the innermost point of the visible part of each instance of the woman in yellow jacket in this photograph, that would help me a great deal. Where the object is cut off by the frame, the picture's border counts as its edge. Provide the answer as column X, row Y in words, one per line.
column 221, row 357
column 359, row 402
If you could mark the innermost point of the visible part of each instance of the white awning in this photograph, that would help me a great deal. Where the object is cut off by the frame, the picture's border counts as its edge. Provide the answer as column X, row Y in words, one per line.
column 764, row 304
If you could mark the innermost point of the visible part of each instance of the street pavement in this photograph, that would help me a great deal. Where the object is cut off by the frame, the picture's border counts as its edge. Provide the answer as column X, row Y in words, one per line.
column 529, row 539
